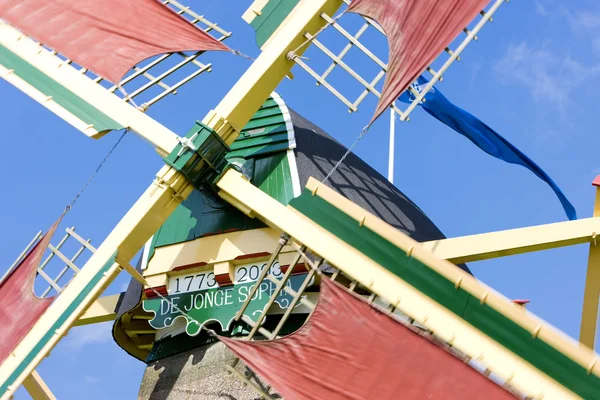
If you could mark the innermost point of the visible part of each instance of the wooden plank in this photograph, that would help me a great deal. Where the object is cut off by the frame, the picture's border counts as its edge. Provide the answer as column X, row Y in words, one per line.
column 37, row 388
column 514, row 241
column 589, row 313
column 102, row 310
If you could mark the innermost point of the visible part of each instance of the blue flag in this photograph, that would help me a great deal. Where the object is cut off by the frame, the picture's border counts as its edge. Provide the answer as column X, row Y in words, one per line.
column 482, row 136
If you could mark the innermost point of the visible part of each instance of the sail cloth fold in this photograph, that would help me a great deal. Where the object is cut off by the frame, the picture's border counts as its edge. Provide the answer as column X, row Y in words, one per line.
column 350, row 350
column 418, row 31
column 20, row 308
column 108, row 37
column 482, row 136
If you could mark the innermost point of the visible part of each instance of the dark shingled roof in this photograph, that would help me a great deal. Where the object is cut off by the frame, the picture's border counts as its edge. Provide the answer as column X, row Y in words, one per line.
column 317, row 153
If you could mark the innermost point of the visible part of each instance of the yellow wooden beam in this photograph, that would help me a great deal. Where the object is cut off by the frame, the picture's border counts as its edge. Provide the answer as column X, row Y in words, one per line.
column 589, row 315
column 163, row 139
column 132, row 232
column 102, row 310
column 447, row 325
column 37, row 388
column 264, row 75
column 514, row 241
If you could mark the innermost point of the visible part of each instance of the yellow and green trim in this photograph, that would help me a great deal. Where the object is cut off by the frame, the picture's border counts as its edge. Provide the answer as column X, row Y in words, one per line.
column 266, row 21
column 56, row 326
column 53, row 95
column 460, row 301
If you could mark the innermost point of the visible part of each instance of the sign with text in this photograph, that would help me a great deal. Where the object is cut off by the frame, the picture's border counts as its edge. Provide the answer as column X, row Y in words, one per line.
column 206, row 280
column 213, row 303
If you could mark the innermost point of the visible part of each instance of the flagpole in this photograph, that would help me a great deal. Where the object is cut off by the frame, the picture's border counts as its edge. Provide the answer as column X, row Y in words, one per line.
column 392, row 144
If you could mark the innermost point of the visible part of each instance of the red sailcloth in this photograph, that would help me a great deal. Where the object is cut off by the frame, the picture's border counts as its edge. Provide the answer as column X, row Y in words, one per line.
column 19, row 307
column 417, row 31
column 109, row 37
column 350, row 350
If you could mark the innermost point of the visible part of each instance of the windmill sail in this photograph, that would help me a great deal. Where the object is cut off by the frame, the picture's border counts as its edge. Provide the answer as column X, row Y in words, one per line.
column 87, row 102
column 109, row 43
column 366, row 252
column 20, row 307
column 417, row 32
column 383, row 357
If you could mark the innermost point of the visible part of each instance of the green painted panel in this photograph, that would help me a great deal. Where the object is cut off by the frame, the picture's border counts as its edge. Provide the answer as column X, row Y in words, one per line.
column 59, row 322
column 275, row 136
column 202, row 214
column 484, row 318
column 263, row 122
column 272, row 176
column 64, row 97
column 272, row 15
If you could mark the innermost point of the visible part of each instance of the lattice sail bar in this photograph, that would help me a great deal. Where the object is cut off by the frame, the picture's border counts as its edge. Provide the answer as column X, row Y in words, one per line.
column 57, row 269
column 154, row 79
column 372, row 81
column 83, row 99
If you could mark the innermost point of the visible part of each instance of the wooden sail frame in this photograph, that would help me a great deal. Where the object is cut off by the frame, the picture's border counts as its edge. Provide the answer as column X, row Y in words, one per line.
column 170, row 188
column 370, row 84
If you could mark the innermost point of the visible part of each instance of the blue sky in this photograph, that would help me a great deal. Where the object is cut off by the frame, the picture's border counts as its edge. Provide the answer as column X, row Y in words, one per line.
column 532, row 76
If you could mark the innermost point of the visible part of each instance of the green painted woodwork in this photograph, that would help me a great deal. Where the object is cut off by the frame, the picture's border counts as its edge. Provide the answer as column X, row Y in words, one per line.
column 203, row 160
column 265, row 133
column 272, row 15
column 217, row 305
column 59, row 322
column 201, row 214
column 172, row 345
column 62, row 96
column 272, row 175
column 261, row 152
column 429, row 282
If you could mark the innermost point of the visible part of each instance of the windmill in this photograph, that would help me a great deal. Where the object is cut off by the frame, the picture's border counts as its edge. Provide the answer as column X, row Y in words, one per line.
column 258, row 278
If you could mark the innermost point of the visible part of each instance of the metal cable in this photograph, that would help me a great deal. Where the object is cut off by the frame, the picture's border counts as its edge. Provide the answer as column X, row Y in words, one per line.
column 336, row 166
column 98, row 168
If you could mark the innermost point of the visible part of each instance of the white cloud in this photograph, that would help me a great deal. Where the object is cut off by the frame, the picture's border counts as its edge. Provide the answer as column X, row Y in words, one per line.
column 91, row 380
column 81, row 336
column 583, row 20
column 540, row 9
column 550, row 78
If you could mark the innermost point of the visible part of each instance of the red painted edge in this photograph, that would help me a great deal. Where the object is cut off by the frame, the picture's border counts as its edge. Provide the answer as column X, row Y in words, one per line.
column 160, row 289
column 189, row 266
column 253, row 255
column 298, row 269
column 221, row 232
column 596, row 181
column 223, row 279
column 520, row 302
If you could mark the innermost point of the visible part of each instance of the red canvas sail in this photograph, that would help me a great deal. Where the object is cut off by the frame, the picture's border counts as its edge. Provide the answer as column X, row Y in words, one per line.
column 350, row 350
column 20, row 308
column 417, row 31
column 109, row 37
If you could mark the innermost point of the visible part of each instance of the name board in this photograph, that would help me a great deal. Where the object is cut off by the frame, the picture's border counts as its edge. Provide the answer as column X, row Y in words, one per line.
column 217, row 304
